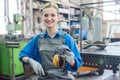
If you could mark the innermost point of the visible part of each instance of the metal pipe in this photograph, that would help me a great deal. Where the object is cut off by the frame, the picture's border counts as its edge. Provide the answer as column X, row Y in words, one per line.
column 96, row 3
column 81, row 29
column 13, row 66
column 104, row 5
column 119, row 69
column 6, row 11
column 31, row 17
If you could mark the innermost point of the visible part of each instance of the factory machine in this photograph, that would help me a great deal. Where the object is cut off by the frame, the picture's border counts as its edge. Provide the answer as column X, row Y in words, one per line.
column 99, row 58
column 10, row 46
column 97, row 55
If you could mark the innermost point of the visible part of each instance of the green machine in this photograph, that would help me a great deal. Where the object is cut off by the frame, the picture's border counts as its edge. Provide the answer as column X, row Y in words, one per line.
column 10, row 47
column 6, row 60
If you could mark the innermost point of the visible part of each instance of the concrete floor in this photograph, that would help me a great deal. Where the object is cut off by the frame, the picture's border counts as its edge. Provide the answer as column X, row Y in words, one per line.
column 107, row 75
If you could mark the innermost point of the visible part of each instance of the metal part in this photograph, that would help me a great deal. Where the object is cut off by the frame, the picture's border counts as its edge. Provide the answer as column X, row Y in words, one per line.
column 31, row 17
column 97, row 3
column 6, row 11
column 109, row 58
column 81, row 12
column 119, row 69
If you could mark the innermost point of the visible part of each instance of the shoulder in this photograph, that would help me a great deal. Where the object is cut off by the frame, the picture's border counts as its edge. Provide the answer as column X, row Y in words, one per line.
column 36, row 37
column 68, row 39
column 67, row 36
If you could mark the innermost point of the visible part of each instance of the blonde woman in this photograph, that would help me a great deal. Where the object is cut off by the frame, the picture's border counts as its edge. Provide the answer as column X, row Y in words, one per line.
column 39, row 52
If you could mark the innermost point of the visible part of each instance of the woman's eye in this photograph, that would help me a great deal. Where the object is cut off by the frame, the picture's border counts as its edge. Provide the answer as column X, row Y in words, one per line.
column 46, row 15
column 52, row 15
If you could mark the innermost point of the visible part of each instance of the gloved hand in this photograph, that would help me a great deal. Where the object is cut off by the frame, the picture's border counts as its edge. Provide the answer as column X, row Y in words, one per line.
column 36, row 66
column 62, row 55
column 69, row 56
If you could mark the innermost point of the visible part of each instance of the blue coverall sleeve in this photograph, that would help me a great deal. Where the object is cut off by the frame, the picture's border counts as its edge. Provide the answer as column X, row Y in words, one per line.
column 30, row 50
column 73, row 47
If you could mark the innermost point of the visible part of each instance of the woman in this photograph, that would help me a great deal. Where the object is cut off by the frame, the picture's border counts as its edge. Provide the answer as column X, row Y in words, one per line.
column 39, row 52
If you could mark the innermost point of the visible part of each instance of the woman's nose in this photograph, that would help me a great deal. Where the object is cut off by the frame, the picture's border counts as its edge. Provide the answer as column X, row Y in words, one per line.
column 49, row 18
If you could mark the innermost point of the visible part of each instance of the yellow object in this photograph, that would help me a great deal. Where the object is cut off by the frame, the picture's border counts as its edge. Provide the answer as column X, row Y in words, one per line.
column 55, row 61
column 58, row 60
column 84, row 69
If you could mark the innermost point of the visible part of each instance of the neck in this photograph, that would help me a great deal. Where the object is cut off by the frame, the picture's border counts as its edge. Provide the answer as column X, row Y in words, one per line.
column 52, row 32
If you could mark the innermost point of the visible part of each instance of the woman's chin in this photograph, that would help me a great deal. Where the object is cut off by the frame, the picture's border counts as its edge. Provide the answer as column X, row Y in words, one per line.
column 49, row 26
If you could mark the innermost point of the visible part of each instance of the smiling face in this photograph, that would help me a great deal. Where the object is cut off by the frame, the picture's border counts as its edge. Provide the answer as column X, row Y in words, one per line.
column 50, row 17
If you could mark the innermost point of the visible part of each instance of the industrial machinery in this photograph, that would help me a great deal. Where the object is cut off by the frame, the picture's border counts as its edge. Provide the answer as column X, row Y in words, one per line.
column 108, row 58
column 6, row 60
column 10, row 49
column 12, row 35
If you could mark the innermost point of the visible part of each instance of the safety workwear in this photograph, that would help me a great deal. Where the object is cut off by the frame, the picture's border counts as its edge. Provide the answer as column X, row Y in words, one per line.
column 69, row 56
column 47, row 48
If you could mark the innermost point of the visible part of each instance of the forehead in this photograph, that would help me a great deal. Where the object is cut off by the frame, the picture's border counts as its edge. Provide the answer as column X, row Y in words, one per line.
column 50, row 10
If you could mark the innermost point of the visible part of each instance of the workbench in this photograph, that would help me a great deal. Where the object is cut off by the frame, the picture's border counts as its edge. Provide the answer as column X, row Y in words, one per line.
column 107, row 58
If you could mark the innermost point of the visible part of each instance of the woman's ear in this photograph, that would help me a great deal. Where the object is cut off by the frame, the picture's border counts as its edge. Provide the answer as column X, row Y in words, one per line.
column 59, row 17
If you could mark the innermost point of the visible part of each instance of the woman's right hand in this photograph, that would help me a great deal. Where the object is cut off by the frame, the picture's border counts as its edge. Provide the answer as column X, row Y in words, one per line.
column 36, row 66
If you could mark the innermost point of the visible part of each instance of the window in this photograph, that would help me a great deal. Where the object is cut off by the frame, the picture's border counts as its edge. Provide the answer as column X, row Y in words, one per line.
column 12, row 10
column 2, row 21
column 111, row 10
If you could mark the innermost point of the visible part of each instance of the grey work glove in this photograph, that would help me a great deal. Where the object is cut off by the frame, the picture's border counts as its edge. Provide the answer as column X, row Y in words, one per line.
column 69, row 56
column 36, row 66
